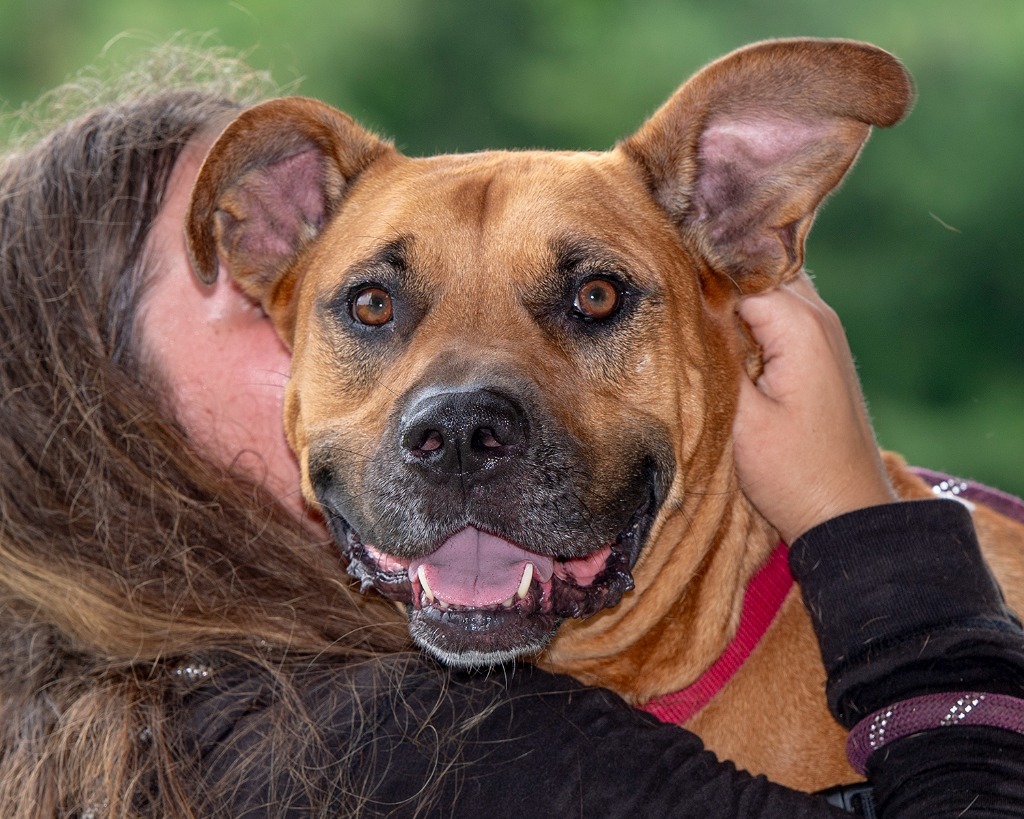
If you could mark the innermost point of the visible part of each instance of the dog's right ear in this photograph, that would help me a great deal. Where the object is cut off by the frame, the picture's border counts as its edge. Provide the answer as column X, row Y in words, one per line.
column 267, row 188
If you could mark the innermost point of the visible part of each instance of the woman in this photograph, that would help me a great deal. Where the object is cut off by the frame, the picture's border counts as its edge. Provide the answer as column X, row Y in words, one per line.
column 180, row 640
column 101, row 485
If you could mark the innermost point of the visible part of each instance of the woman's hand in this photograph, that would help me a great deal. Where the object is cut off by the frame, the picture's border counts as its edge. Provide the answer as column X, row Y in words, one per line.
column 804, row 447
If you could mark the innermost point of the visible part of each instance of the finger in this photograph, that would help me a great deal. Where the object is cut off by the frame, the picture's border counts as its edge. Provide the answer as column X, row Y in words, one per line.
column 757, row 398
column 802, row 285
column 778, row 322
column 790, row 295
column 763, row 309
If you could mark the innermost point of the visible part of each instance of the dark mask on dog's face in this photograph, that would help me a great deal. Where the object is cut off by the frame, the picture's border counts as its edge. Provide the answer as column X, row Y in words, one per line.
column 490, row 461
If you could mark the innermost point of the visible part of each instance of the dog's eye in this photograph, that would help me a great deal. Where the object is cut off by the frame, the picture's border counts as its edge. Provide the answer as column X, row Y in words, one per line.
column 372, row 307
column 598, row 299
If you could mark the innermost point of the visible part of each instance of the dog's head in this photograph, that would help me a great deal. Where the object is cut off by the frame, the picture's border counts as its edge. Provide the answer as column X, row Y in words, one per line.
column 509, row 369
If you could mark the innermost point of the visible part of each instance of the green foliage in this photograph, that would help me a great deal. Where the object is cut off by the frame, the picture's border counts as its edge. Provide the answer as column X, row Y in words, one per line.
column 920, row 252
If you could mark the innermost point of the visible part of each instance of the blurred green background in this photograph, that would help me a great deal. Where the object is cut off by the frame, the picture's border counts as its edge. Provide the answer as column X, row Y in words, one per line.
column 921, row 251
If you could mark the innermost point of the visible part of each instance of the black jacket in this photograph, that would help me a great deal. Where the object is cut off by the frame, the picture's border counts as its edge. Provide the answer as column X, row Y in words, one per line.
column 903, row 605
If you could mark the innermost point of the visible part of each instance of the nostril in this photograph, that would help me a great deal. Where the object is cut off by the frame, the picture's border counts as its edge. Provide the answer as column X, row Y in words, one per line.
column 485, row 438
column 432, row 441
column 500, row 440
column 425, row 442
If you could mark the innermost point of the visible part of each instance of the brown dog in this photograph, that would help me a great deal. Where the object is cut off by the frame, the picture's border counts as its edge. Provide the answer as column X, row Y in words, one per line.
column 515, row 374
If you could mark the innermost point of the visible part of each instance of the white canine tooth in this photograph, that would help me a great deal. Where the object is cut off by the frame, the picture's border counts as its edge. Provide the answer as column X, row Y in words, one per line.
column 508, row 603
column 443, row 605
column 524, row 584
column 422, row 575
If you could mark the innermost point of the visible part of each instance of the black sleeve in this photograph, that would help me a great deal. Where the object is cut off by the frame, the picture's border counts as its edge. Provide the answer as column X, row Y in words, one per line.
column 555, row 748
column 904, row 605
column 424, row 741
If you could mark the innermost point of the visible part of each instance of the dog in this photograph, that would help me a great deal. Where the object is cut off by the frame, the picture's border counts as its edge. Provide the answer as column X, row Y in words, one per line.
column 515, row 374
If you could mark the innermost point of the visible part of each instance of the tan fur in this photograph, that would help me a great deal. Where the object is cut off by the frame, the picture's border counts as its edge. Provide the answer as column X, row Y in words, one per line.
column 479, row 230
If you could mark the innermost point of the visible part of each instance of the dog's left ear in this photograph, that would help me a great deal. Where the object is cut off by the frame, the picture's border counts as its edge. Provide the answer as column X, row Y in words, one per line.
column 744, row 153
column 267, row 188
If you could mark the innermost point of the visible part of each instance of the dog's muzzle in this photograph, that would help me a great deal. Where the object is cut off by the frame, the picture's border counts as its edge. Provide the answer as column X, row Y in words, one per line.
column 513, row 549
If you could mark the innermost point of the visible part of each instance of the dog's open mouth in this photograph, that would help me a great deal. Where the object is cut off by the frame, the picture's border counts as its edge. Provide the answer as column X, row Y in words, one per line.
column 479, row 599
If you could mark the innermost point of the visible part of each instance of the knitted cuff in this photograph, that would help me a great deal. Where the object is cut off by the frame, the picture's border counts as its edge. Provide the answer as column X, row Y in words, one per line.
column 876, row 575
column 929, row 712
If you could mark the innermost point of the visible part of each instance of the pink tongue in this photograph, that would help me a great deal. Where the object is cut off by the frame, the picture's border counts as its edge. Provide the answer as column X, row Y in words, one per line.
column 473, row 568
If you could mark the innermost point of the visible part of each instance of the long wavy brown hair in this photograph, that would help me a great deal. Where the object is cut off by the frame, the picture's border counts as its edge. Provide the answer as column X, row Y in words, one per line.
column 123, row 554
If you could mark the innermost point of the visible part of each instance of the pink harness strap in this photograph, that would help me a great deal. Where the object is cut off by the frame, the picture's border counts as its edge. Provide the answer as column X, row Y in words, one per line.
column 761, row 603
column 767, row 590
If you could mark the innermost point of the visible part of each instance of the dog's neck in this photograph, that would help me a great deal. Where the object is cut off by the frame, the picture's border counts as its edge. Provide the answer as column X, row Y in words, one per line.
column 762, row 603
column 665, row 634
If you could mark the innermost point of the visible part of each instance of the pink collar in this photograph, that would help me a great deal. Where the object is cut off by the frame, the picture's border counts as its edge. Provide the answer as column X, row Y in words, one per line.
column 761, row 602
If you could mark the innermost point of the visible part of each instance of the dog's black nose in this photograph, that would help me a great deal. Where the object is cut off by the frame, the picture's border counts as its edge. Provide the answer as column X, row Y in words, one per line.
column 462, row 433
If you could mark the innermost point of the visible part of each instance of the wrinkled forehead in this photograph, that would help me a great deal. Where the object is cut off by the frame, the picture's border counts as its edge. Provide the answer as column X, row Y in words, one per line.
column 502, row 217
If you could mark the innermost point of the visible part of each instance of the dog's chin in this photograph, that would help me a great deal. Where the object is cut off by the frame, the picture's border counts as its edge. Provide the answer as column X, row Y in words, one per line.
column 512, row 622
column 471, row 638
